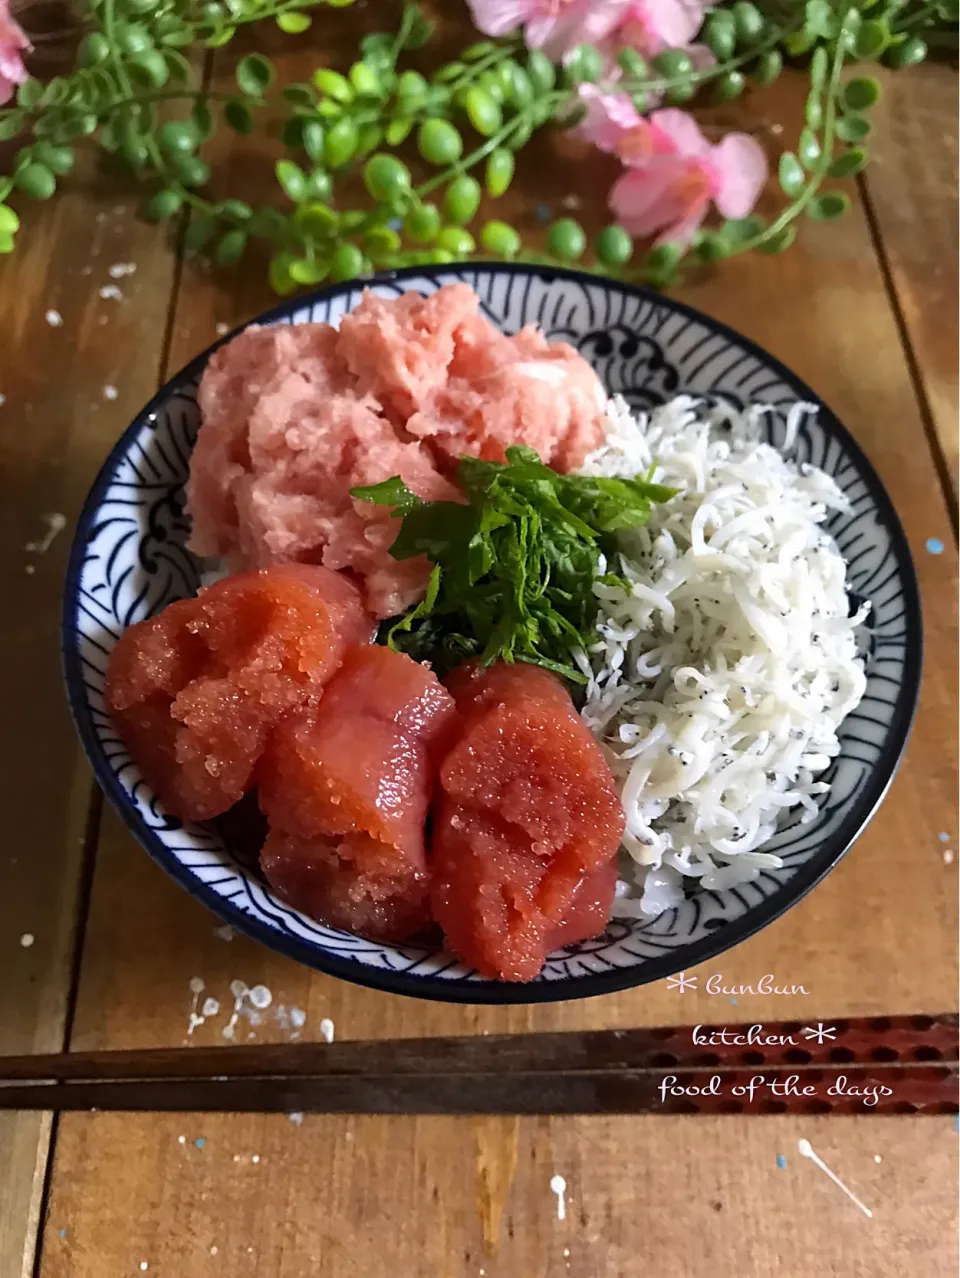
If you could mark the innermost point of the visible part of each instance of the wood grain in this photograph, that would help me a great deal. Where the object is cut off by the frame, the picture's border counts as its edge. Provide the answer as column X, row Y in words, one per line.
column 68, row 350
column 458, row 1196
column 381, row 1197
column 912, row 186
column 859, row 1042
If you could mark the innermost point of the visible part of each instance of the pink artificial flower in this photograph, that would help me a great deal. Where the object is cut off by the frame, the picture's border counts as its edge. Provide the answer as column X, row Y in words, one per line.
column 671, row 191
column 651, row 26
column 555, row 26
column 614, row 125
column 13, row 44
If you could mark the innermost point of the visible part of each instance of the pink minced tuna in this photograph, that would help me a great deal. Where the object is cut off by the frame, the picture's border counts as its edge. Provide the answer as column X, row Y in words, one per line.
column 294, row 416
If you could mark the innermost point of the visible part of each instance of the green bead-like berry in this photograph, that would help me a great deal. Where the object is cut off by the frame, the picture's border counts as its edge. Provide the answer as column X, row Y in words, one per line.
column 720, row 34
column 159, row 207
column 729, row 86
column 341, row 142
column 673, row 63
column 455, row 240
column 614, row 247
column 380, row 241
column 422, row 224
column 522, row 91
column 768, row 67
column 364, row 80
column 492, row 86
column 439, row 142
column 462, row 200
column 907, row 54
column 499, row 172
column 541, row 71
column 177, row 136
column 483, row 113
column 333, row 85
column 386, row 177
column 412, row 87
column 681, row 93
column 346, row 263
column 633, row 64
column 748, row 20
column 500, row 238
column 566, row 239
column 872, row 38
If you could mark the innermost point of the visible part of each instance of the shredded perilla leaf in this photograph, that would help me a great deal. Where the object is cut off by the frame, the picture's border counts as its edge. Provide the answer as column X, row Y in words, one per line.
column 514, row 565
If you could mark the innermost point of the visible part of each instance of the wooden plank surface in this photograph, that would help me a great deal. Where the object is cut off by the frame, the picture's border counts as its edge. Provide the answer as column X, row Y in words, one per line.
column 912, row 186
column 76, row 367
column 452, row 1197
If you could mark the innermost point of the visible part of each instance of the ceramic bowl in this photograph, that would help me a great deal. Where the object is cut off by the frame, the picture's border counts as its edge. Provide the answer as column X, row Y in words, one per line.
column 129, row 560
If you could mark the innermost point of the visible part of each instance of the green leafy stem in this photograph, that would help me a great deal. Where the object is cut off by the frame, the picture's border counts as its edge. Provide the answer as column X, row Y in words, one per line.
column 132, row 68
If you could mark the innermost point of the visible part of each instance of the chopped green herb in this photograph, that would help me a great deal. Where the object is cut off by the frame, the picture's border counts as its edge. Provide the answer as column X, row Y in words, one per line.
column 514, row 566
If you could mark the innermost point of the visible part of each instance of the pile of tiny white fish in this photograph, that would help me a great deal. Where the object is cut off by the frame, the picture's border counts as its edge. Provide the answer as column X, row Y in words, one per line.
column 726, row 667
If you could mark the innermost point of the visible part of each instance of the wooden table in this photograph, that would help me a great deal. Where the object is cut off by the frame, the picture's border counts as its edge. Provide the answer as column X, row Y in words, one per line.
column 865, row 311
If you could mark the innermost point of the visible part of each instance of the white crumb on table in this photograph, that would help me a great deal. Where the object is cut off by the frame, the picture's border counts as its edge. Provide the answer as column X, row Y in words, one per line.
column 327, row 1029
column 248, row 1002
column 27, row 940
column 261, row 998
column 120, row 269
column 224, row 933
column 54, row 319
column 110, row 392
column 806, row 1150
column 195, row 1019
column 55, row 524
column 110, row 291
column 558, row 1186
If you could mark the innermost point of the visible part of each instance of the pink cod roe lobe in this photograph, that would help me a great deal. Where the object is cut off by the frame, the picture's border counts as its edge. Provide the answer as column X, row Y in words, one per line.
column 294, row 416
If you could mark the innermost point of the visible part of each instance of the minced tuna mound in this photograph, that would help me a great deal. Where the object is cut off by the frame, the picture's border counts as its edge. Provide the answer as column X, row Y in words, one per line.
column 294, row 416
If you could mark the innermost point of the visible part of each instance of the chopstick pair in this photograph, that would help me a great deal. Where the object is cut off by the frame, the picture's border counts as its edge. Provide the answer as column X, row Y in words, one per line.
column 880, row 1065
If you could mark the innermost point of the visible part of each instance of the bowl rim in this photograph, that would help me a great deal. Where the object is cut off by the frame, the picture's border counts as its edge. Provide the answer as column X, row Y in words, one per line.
column 465, row 990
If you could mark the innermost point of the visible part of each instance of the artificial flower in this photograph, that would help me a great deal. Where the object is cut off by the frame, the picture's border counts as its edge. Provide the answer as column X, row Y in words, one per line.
column 555, row 26
column 13, row 44
column 614, row 125
column 671, row 191
column 652, row 26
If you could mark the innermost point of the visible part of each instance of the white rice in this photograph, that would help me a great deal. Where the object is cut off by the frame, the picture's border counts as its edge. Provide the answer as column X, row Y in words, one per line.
column 724, row 671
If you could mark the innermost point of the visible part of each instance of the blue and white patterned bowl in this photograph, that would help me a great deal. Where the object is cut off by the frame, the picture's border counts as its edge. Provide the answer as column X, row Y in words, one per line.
column 128, row 560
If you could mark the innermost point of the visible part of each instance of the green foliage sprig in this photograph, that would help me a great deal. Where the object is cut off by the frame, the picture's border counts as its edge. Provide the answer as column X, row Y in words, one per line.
column 457, row 130
column 514, row 565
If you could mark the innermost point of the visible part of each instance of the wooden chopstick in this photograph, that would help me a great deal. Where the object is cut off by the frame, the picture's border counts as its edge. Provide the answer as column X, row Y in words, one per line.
column 842, row 1042
column 910, row 1062
column 918, row 1089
